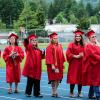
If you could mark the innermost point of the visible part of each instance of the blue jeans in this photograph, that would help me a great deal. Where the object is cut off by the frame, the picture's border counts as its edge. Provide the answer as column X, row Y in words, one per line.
column 97, row 92
column 91, row 91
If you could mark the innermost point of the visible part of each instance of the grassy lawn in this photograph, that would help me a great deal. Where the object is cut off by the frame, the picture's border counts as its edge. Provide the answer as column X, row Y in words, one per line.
column 44, row 67
column 44, row 45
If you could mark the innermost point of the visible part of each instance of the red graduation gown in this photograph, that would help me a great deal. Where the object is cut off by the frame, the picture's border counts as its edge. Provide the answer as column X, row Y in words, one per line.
column 54, row 55
column 74, row 75
column 32, row 67
column 91, row 66
column 13, row 73
column 0, row 53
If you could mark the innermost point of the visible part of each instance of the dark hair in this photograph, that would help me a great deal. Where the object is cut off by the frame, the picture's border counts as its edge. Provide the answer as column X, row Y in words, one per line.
column 81, row 41
column 16, row 43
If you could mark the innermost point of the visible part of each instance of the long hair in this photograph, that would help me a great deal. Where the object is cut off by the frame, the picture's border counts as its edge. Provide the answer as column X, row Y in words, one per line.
column 81, row 41
column 96, row 43
column 16, row 43
column 52, row 42
column 36, row 46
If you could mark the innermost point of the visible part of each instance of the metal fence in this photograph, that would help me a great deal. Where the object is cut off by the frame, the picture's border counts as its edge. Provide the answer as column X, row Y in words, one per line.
column 64, row 37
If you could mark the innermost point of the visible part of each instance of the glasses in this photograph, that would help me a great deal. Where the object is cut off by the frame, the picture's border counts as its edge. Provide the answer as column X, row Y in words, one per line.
column 93, row 36
column 77, row 36
column 33, row 40
column 12, row 38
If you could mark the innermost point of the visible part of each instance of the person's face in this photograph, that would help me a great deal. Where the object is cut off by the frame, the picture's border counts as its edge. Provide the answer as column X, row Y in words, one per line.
column 33, row 41
column 12, row 40
column 55, row 40
column 92, row 38
column 78, row 38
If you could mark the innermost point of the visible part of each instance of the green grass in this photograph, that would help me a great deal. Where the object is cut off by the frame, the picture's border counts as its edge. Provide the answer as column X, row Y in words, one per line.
column 44, row 45
column 44, row 67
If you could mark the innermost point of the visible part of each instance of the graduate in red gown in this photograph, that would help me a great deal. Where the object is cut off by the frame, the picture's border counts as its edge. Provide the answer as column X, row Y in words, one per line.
column 74, row 55
column 13, row 56
column 0, row 57
column 55, row 63
column 91, row 63
column 33, row 64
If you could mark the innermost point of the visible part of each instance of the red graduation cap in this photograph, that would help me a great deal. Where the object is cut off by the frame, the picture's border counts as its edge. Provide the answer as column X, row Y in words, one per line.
column 52, row 35
column 90, row 33
column 32, row 36
column 78, row 32
column 13, row 35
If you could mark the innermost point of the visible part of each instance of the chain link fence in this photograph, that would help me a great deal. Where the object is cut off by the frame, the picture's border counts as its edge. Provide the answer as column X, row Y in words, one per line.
column 64, row 37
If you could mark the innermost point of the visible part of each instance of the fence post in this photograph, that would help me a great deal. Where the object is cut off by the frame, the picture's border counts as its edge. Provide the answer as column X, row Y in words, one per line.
column 35, row 32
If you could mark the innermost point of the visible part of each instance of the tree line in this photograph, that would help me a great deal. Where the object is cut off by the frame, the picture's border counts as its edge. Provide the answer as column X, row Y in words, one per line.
column 13, row 13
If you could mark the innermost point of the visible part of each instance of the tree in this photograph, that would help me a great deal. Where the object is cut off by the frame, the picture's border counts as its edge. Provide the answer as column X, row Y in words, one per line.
column 21, row 22
column 33, row 6
column 10, row 10
column 59, row 18
column 74, row 7
column 89, row 9
column 40, row 17
column 67, row 9
column 2, row 25
column 97, row 9
column 94, row 20
column 36, row 20
column 83, row 24
column 81, row 4
column 44, row 5
column 80, row 13
column 51, row 11
column 72, row 19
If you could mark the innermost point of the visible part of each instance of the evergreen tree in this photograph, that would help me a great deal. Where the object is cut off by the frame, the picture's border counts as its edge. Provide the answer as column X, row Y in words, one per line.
column 83, row 24
column 51, row 12
column 10, row 10
column 40, row 17
column 94, row 20
column 33, row 6
column 89, row 9
column 67, row 9
column 81, row 4
column 21, row 22
column 80, row 13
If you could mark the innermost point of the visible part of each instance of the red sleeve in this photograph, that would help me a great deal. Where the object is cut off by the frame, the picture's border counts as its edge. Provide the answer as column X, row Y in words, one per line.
column 0, row 53
column 27, row 47
column 92, row 54
column 21, row 54
column 69, row 53
column 6, row 55
column 49, row 55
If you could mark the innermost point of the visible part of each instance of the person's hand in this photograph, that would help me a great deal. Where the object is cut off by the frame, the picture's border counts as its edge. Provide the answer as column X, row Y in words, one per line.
column 81, row 54
column 53, row 67
column 43, row 51
column 11, row 55
column 16, row 55
column 22, row 30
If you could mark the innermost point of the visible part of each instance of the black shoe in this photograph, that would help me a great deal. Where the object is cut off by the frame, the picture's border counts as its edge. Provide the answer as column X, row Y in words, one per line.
column 28, row 95
column 40, row 96
column 92, row 97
